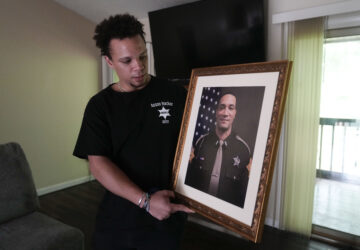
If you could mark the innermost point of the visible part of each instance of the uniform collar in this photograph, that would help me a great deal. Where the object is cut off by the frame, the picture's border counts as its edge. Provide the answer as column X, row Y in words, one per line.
column 225, row 143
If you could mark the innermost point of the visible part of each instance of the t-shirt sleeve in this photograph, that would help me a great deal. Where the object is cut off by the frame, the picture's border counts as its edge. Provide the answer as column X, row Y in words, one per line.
column 94, row 136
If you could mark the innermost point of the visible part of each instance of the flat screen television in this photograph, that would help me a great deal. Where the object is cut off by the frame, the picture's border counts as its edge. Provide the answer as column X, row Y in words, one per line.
column 207, row 33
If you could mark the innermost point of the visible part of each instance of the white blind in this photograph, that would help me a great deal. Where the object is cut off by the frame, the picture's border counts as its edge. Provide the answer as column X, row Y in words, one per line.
column 341, row 25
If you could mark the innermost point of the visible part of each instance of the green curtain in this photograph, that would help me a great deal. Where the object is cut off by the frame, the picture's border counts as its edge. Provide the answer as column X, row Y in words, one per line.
column 305, row 48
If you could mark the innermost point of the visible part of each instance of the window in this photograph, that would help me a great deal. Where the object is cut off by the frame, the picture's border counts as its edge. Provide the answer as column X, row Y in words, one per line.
column 338, row 169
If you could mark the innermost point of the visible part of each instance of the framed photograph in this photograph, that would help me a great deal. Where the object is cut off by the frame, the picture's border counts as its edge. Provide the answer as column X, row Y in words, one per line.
column 228, row 143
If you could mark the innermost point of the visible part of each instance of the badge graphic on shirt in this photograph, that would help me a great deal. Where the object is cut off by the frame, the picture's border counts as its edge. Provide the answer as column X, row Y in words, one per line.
column 164, row 112
column 236, row 161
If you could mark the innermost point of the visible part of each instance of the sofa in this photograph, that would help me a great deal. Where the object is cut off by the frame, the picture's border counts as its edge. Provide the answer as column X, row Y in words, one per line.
column 22, row 226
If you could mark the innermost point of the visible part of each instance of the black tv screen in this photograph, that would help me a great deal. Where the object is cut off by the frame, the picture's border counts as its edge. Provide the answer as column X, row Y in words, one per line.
column 207, row 33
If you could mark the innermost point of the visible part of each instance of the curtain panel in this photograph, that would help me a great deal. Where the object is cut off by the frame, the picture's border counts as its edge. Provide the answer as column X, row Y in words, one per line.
column 305, row 49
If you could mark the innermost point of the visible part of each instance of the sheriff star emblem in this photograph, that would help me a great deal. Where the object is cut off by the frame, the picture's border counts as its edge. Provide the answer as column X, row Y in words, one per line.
column 164, row 112
column 236, row 161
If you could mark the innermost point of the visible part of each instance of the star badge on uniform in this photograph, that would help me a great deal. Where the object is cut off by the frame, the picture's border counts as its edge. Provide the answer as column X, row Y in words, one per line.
column 236, row 161
column 164, row 112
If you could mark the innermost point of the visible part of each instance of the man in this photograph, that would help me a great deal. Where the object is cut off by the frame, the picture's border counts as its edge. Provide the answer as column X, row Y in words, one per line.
column 129, row 135
column 222, row 159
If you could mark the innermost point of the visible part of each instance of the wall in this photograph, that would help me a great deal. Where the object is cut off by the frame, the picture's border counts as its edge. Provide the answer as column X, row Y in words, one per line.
column 49, row 69
column 146, row 23
column 274, row 34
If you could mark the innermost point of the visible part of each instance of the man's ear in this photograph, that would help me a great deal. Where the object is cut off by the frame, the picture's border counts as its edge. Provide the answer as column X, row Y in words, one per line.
column 109, row 62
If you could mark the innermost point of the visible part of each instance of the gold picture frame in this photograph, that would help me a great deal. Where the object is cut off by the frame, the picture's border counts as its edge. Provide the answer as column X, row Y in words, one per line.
column 260, row 92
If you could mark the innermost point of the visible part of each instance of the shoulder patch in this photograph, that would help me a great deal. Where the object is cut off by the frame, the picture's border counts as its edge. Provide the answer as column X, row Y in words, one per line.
column 244, row 142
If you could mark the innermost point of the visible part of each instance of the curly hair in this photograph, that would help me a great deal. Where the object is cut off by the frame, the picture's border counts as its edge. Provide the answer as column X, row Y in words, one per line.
column 118, row 26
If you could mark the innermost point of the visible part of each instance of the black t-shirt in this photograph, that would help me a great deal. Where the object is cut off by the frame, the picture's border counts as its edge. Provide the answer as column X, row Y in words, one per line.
column 138, row 131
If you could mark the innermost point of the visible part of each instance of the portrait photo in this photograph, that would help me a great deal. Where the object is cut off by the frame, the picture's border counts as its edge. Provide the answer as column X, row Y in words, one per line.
column 223, row 142
column 228, row 143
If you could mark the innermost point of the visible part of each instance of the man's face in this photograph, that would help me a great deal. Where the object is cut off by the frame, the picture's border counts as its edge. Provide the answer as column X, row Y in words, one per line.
column 129, row 60
column 225, row 112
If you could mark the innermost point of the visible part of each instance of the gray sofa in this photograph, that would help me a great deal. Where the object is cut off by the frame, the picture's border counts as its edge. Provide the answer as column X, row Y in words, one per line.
column 21, row 225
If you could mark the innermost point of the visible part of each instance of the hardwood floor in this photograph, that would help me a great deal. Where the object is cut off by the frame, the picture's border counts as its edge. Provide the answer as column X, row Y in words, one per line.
column 77, row 206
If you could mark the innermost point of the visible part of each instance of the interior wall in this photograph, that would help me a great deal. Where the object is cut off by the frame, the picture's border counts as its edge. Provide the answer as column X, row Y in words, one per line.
column 146, row 23
column 274, row 37
column 49, row 70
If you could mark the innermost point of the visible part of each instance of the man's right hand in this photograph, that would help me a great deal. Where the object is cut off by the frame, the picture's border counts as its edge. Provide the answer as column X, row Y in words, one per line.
column 161, row 208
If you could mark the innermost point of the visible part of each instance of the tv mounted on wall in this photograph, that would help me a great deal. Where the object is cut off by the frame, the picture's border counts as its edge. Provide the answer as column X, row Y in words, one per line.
column 207, row 33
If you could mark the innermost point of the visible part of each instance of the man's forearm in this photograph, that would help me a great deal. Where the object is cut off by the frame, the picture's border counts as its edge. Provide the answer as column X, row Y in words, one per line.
column 113, row 178
column 116, row 181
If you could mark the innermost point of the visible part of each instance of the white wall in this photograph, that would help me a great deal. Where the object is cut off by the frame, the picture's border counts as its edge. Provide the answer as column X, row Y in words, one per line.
column 274, row 37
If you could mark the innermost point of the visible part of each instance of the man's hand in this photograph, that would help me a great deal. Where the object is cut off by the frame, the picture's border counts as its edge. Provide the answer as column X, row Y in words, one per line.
column 161, row 208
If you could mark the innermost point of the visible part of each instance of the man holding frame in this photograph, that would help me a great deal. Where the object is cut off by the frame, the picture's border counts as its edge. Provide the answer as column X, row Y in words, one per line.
column 128, row 135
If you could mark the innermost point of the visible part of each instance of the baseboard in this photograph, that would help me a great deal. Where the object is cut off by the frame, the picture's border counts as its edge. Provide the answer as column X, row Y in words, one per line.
column 60, row 186
column 272, row 223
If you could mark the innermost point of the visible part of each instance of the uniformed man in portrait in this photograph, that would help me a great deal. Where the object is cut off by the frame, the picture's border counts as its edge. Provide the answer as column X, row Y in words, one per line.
column 221, row 159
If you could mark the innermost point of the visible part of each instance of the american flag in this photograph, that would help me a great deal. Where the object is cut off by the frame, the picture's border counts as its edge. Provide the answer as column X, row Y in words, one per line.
column 206, row 116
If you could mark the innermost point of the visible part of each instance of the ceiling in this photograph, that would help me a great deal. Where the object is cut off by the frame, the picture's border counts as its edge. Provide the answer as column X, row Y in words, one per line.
column 97, row 10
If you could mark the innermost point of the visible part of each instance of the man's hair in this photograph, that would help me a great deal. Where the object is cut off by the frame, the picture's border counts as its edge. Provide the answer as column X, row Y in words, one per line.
column 118, row 27
column 226, row 93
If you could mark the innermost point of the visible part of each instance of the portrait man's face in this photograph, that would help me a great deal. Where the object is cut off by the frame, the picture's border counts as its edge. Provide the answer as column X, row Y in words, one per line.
column 225, row 112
